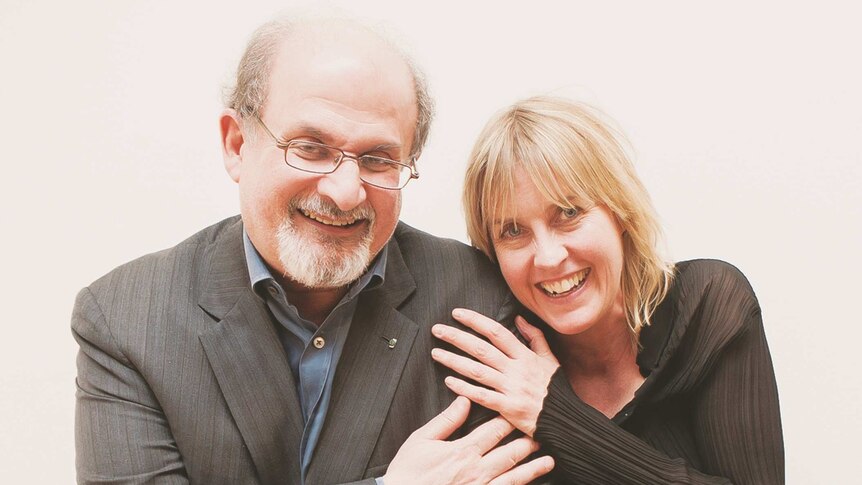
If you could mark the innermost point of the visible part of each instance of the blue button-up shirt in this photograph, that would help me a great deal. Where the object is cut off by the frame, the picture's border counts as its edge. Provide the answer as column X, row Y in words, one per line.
column 312, row 351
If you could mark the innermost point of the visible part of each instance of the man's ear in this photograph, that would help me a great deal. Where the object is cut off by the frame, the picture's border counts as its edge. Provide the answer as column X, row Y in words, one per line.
column 231, row 142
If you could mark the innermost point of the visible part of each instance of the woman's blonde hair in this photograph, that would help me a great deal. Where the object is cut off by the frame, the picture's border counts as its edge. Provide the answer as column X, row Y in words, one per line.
column 570, row 152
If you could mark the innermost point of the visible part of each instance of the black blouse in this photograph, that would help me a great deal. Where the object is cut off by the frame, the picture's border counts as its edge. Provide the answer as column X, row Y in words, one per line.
column 707, row 412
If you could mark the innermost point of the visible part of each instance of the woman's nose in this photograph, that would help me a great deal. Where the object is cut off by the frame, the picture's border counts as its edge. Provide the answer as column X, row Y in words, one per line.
column 550, row 252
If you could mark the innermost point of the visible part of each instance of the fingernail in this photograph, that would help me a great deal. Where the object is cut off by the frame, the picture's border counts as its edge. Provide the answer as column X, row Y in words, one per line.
column 435, row 353
column 457, row 313
column 437, row 330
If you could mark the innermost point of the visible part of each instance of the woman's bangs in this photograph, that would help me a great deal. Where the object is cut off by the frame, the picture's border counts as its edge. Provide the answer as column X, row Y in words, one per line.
column 498, row 190
column 553, row 165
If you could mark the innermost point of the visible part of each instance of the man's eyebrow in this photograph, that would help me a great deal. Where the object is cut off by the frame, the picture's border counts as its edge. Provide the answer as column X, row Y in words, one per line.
column 309, row 130
column 302, row 130
column 385, row 147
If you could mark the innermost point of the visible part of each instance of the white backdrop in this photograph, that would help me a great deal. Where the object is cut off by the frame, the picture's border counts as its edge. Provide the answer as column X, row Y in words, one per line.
column 746, row 118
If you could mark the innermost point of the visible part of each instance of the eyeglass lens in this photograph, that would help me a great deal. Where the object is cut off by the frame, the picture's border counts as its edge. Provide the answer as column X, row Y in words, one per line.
column 317, row 158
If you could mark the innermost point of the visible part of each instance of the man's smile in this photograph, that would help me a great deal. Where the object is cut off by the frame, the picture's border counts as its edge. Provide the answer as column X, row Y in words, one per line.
column 330, row 221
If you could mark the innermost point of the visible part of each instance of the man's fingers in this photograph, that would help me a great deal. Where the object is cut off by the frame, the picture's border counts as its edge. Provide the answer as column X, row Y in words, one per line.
column 445, row 423
column 469, row 368
column 525, row 473
column 499, row 335
column 485, row 437
column 471, row 344
column 505, row 457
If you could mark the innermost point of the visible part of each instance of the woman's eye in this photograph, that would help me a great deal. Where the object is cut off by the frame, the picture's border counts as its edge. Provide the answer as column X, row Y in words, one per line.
column 570, row 212
column 510, row 231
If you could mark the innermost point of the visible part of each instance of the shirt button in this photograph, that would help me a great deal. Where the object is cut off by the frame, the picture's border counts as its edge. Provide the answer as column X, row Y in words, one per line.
column 319, row 342
column 273, row 291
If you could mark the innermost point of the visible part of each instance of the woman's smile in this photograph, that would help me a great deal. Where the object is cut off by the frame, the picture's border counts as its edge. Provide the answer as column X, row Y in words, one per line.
column 565, row 286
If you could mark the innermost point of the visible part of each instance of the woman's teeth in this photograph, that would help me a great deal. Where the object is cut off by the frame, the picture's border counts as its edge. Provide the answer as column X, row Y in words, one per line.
column 566, row 284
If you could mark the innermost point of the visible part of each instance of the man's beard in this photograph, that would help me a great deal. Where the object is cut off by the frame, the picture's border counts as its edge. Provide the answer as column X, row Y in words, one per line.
column 317, row 260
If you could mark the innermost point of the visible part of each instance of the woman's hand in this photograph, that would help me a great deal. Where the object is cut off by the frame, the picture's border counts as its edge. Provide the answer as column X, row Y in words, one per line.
column 517, row 377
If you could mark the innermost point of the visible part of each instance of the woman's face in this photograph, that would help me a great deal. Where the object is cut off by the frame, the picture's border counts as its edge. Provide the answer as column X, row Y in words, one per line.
column 565, row 265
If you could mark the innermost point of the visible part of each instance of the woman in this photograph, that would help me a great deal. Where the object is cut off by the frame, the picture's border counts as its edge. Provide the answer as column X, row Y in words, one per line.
column 651, row 372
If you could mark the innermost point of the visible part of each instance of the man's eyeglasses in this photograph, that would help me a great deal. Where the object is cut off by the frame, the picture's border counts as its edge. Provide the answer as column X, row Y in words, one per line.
column 313, row 157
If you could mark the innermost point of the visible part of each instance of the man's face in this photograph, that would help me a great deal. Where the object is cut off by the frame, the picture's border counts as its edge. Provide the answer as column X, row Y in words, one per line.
column 321, row 231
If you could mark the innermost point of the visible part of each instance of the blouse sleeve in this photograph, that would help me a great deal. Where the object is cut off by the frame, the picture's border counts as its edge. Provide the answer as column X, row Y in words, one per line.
column 735, row 423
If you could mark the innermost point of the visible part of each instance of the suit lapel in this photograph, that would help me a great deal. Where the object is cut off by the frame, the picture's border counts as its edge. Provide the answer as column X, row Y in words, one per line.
column 248, row 361
column 367, row 377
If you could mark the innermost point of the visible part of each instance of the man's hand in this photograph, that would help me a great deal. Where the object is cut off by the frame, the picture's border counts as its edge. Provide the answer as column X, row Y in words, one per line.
column 426, row 459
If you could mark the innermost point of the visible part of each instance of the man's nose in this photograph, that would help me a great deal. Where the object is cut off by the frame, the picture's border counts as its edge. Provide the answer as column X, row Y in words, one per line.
column 549, row 251
column 343, row 186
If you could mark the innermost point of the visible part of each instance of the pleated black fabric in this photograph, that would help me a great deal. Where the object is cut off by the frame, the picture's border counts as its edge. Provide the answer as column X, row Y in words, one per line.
column 707, row 412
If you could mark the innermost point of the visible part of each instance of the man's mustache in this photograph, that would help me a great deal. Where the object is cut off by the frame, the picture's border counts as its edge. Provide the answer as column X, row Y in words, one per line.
column 320, row 205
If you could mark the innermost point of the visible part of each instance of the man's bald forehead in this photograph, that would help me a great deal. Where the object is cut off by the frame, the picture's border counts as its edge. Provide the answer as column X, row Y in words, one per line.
column 343, row 37
column 289, row 38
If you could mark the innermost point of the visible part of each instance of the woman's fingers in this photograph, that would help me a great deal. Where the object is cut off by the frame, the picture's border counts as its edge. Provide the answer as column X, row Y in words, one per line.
column 535, row 337
column 499, row 335
column 480, row 395
column 473, row 345
column 469, row 368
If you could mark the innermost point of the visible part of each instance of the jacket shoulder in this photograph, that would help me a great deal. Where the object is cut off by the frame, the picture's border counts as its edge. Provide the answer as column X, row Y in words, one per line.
column 160, row 267
column 444, row 255
column 449, row 274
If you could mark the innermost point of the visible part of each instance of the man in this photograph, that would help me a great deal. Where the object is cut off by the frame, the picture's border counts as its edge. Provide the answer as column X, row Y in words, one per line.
column 215, row 361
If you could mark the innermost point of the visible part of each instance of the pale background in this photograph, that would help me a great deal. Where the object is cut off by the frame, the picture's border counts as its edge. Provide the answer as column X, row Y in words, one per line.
column 746, row 118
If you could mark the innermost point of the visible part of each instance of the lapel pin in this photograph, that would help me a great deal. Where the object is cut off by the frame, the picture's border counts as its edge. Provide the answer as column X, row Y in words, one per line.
column 390, row 342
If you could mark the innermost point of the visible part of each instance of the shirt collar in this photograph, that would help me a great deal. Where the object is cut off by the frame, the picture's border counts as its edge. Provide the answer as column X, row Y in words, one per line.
column 258, row 271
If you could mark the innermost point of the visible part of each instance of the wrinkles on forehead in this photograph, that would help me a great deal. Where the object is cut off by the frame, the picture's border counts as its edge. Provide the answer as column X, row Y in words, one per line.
column 357, row 75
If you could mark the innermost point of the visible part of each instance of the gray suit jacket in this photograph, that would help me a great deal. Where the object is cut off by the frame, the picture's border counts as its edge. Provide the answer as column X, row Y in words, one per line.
column 182, row 378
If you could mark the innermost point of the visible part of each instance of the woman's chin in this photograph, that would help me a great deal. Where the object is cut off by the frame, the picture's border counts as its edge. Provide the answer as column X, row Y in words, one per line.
column 567, row 324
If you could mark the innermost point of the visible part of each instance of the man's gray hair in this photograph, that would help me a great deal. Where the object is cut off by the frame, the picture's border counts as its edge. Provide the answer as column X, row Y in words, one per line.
column 250, row 89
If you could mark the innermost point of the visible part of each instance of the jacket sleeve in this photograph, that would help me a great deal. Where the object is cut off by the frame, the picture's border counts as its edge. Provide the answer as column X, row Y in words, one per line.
column 735, row 420
column 121, row 434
